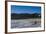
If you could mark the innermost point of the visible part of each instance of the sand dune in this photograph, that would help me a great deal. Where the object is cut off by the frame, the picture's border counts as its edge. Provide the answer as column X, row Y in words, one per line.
column 25, row 23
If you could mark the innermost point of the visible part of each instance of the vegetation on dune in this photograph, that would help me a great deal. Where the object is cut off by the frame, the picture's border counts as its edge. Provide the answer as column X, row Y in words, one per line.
column 25, row 16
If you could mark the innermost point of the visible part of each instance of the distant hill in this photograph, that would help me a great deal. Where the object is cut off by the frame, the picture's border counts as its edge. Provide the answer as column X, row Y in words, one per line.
column 25, row 16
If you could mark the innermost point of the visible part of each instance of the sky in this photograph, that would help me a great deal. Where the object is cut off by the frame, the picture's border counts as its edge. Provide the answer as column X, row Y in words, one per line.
column 25, row 9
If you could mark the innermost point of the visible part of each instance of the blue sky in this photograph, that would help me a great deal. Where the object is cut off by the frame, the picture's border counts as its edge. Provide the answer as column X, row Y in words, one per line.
column 25, row 9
